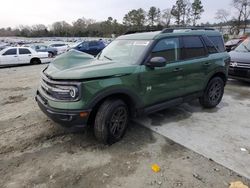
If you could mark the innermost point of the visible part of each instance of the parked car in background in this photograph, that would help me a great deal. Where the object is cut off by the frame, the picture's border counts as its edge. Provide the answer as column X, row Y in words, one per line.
column 61, row 47
column 44, row 48
column 22, row 55
column 135, row 74
column 3, row 45
column 240, row 62
column 232, row 44
column 90, row 47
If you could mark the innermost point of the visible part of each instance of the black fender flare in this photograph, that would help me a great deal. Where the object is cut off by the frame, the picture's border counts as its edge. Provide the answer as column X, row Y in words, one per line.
column 116, row 91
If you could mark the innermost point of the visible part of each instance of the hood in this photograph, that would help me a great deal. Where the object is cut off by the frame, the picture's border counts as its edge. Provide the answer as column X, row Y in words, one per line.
column 243, row 57
column 76, row 65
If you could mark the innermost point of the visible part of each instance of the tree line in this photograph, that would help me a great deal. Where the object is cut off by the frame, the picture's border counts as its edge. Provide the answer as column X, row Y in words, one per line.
column 182, row 13
column 239, row 19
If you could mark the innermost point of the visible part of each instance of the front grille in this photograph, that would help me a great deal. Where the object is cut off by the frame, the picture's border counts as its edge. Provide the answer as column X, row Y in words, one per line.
column 242, row 65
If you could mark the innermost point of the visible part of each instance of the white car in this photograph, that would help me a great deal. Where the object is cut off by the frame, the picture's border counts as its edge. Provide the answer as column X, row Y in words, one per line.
column 22, row 55
column 61, row 48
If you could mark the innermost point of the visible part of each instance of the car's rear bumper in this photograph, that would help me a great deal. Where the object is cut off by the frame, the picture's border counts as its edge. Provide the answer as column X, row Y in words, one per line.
column 239, row 73
column 66, row 118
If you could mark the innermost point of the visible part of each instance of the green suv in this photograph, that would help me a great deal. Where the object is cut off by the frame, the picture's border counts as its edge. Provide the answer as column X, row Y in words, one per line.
column 136, row 74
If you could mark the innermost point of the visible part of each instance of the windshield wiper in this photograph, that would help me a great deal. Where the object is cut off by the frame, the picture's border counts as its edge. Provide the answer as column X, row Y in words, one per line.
column 108, row 58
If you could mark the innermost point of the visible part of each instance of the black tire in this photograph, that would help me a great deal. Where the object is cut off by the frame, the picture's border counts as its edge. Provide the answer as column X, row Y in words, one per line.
column 35, row 61
column 213, row 93
column 51, row 54
column 111, row 121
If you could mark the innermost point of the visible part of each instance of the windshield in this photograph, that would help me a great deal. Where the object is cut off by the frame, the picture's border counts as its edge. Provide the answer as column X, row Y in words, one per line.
column 124, row 51
column 244, row 46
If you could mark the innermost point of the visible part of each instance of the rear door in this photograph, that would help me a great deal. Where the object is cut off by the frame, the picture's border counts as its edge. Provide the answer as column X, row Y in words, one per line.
column 9, row 57
column 24, row 55
column 195, row 62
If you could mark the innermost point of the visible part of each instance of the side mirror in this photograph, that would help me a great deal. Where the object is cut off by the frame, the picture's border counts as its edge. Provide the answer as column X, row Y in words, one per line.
column 157, row 62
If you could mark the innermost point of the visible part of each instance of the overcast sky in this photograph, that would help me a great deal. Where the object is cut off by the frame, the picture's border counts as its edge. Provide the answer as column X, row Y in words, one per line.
column 27, row 12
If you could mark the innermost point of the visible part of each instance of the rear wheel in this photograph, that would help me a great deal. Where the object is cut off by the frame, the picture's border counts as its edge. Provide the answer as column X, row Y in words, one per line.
column 35, row 61
column 213, row 93
column 111, row 121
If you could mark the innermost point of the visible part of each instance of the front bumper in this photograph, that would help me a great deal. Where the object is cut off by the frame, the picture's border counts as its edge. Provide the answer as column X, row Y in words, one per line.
column 66, row 118
column 239, row 73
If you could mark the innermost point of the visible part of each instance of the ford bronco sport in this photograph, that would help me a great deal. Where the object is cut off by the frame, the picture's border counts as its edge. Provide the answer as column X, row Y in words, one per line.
column 136, row 74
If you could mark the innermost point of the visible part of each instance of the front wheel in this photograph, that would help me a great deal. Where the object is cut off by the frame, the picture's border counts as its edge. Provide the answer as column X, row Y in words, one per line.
column 213, row 93
column 111, row 121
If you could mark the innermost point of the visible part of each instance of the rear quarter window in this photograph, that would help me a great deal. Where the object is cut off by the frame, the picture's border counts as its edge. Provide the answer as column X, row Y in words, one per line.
column 218, row 42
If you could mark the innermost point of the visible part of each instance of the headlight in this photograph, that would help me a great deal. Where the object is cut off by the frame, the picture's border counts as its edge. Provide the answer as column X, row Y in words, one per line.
column 73, row 92
column 65, row 92
column 60, row 92
column 233, row 64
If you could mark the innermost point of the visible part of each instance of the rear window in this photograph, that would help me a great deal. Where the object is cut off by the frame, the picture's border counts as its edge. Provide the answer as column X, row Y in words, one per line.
column 193, row 47
column 218, row 42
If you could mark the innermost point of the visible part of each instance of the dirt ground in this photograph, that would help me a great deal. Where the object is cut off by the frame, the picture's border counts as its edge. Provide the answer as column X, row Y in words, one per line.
column 36, row 152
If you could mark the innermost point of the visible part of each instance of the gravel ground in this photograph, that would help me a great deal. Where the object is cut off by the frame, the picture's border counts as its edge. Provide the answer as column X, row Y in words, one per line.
column 36, row 152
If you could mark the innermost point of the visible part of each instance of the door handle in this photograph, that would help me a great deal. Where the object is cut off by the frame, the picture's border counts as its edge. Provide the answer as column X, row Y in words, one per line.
column 15, row 56
column 178, row 69
column 207, row 64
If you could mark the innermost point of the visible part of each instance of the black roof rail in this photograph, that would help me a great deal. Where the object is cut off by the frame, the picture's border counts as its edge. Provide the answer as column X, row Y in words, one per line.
column 140, row 31
column 171, row 29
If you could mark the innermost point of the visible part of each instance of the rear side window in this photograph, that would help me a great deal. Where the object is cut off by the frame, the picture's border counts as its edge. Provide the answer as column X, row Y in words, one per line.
column 24, row 51
column 10, row 52
column 193, row 47
column 168, row 48
column 218, row 42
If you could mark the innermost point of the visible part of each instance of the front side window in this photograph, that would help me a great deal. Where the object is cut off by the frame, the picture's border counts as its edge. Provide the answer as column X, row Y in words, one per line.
column 125, row 51
column 168, row 48
column 193, row 47
column 23, row 51
column 10, row 52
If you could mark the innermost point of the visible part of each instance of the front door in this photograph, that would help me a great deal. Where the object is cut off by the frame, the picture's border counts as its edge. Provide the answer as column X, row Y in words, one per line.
column 9, row 57
column 163, row 83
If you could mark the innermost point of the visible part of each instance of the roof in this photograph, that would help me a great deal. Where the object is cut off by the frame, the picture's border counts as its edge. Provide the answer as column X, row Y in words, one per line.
column 161, row 34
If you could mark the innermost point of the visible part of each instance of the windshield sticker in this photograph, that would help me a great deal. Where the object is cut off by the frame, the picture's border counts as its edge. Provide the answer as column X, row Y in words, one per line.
column 141, row 43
